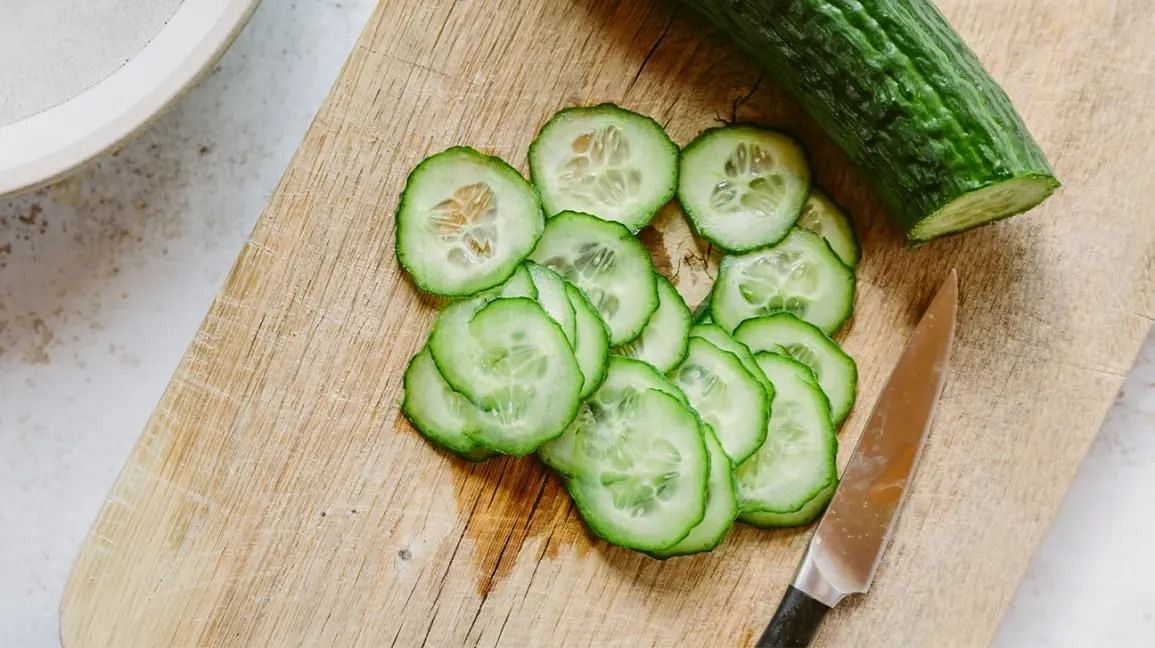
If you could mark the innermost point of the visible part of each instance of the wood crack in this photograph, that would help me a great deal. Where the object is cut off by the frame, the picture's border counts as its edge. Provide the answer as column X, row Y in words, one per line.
column 744, row 99
column 489, row 581
column 650, row 54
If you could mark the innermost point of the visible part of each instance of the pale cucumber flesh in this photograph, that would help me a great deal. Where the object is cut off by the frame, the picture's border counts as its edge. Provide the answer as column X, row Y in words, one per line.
column 823, row 217
column 440, row 414
column 551, row 295
column 625, row 379
column 592, row 344
column 721, row 506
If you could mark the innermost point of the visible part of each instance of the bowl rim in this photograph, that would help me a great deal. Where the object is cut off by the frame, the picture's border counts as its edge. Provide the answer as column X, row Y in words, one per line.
column 45, row 146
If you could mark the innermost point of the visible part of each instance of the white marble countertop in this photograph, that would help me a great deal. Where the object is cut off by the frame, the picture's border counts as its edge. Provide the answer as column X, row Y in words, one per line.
column 91, row 330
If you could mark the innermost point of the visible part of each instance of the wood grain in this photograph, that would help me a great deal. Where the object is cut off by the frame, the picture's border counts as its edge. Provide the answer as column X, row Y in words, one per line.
column 276, row 496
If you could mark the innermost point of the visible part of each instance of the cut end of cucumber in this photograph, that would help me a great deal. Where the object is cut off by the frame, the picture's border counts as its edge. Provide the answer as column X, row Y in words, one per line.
column 991, row 203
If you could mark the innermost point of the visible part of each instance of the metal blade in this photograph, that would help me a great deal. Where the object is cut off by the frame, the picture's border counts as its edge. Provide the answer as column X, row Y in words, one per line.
column 848, row 545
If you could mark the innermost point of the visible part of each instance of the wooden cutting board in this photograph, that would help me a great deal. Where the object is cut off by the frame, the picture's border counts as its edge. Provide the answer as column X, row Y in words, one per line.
column 277, row 497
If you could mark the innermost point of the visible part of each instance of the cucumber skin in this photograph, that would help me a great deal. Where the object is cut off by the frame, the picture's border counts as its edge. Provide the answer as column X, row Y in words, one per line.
column 897, row 89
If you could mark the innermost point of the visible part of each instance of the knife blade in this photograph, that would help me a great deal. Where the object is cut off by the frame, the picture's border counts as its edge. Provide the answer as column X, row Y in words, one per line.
column 845, row 551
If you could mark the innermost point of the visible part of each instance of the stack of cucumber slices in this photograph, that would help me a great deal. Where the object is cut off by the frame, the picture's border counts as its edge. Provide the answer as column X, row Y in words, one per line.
column 563, row 341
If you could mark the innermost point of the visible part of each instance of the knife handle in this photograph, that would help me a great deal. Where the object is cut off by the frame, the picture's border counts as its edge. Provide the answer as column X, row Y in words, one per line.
column 795, row 622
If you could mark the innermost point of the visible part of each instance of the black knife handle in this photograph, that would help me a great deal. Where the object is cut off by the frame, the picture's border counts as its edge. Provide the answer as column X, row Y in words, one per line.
column 795, row 622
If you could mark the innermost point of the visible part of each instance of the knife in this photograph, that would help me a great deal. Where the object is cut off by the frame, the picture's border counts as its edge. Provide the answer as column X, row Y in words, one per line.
column 847, row 547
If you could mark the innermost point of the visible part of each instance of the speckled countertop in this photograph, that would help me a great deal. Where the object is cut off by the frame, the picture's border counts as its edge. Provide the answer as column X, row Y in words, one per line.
column 91, row 329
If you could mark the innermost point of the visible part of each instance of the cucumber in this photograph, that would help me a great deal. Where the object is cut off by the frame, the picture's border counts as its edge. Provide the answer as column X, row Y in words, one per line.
column 592, row 346
column 440, row 414
column 519, row 284
column 607, row 263
column 664, row 340
column 785, row 334
column 797, row 461
column 512, row 361
column 727, row 397
column 743, row 186
column 604, row 160
column 643, row 473
column 717, row 336
column 822, row 216
column 721, row 505
column 465, row 222
column 799, row 275
column 553, row 297
column 805, row 515
column 625, row 380
column 899, row 91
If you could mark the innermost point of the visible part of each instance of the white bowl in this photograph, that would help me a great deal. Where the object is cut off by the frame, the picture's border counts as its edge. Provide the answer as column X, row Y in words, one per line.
column 44, row 146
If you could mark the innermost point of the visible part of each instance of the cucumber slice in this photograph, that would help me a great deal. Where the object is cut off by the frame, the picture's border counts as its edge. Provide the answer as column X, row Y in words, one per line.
column 519, row 284
column 730, row 400
column 800, row 275
column 465, row 222
column 643, row 473
column 625, row 380
column 797, row 460
column 440, row 414
column 608, row 264
column 664, row 341
column 785, row 334
column 592, row 346
column 743, row 186
column 718, row 336
column 607, row 161
column 825, row 218
column 551, row 294
column 805, row 515
column 721, row 505
column 514, row 363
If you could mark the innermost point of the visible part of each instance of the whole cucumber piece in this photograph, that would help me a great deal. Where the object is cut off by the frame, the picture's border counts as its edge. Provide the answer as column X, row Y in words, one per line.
column 900, row 92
